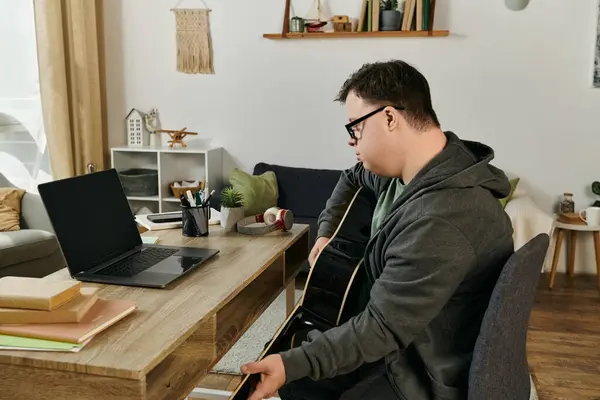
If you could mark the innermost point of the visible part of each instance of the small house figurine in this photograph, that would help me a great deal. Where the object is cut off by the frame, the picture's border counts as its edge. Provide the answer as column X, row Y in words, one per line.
column 136, row 132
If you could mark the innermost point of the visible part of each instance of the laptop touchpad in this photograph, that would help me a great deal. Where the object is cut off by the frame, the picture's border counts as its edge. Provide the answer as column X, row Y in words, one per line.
column 175, row 265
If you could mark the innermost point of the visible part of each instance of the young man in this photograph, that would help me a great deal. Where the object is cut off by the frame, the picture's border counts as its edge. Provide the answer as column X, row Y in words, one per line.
column 440, row 238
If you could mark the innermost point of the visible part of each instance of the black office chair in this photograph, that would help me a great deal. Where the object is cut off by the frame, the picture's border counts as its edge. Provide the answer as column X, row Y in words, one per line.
column 499, row 369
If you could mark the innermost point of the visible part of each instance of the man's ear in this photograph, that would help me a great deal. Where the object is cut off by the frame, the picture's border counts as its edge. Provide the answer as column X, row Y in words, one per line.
column 393, row 118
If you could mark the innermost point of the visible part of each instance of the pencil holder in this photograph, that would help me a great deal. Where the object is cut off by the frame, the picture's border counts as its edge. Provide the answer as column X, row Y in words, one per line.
column 194, row 221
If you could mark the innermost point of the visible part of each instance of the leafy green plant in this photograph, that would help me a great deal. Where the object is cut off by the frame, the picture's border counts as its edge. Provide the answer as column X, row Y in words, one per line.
column 389, row 4
column 596, row 190
column 231, row 198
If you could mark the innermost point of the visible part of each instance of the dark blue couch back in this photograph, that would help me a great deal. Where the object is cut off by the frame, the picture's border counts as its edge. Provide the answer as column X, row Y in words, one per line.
column 302, row 190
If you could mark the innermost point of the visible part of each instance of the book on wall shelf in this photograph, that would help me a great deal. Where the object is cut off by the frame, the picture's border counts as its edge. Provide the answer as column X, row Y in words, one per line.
column 378, row 18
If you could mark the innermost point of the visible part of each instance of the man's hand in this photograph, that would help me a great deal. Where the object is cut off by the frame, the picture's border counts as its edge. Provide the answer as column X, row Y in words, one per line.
column 319, row 244
column 272, row 376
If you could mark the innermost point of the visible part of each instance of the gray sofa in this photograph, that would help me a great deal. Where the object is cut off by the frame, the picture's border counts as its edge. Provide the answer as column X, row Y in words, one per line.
column 32, row 251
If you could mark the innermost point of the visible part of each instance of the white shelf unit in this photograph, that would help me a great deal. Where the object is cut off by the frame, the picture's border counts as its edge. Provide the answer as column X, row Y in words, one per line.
column 176, row 164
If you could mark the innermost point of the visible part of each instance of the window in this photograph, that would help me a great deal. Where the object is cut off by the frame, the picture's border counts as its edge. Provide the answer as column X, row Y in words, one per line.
column 23, row 152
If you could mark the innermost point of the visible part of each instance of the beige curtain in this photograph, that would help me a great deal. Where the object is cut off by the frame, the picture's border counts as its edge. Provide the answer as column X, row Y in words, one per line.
column 72, row 84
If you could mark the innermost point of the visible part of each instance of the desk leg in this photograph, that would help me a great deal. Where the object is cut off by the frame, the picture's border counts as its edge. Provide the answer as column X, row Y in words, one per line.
column 559, row 238
column 571, row 264
column 295, row 257
column 290, row 297
column 597, row 248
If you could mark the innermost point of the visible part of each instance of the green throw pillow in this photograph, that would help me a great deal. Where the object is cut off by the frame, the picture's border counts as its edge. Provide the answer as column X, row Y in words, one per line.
column 513, row 186
column 260, row 191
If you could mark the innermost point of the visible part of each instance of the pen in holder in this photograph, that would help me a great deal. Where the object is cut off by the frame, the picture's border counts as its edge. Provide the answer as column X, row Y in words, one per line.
column 194, row 220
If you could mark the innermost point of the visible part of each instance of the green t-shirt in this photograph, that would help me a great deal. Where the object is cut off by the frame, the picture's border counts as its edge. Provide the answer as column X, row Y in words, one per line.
column 384, row 203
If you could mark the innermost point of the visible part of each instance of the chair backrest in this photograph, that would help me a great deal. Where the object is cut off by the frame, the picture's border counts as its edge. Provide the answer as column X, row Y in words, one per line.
column 499, row 369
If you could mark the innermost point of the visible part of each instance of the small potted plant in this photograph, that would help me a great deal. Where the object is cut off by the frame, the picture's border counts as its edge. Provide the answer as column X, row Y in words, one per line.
column 232, row 202
column 390, row 17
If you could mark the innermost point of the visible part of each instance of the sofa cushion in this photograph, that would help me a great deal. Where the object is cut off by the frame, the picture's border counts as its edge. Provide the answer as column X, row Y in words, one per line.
column 304, row 191
column 312, row 223
column 10, row 208
column 513, row 185
column 24, row 245
column 260, row 192
column 38, row 268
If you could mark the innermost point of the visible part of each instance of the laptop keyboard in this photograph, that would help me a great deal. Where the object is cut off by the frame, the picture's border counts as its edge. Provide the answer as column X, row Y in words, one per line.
column 137, row 262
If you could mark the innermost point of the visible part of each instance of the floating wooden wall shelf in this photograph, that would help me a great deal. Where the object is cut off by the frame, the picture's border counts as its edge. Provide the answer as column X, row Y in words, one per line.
column 286, row 34
column 352, row 35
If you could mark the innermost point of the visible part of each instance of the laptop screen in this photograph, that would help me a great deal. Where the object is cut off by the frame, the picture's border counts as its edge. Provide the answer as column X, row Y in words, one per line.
column 91, row 218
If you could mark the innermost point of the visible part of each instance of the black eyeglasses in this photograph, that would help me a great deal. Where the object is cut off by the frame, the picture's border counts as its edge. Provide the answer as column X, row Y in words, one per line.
column 351, row 125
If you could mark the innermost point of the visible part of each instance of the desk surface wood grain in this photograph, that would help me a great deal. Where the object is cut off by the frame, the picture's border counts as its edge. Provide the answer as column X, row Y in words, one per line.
column 166, row 318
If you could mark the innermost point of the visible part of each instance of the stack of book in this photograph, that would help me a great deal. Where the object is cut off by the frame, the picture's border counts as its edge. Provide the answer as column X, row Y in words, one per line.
column 54, row 315
column 417, row 15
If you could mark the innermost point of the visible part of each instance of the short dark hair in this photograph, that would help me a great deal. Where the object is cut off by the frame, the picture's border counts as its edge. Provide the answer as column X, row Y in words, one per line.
column 394, row 83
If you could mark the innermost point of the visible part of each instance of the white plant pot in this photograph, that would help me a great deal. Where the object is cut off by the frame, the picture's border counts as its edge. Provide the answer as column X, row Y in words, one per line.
column 230, row 216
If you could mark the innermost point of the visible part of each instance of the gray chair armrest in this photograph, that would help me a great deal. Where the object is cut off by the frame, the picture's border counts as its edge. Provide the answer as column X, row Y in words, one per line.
column 33, row 213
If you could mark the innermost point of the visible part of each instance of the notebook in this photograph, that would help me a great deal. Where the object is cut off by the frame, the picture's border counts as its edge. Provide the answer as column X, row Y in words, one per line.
column 73, row 311
column 37, row 293
column 29, row 344
column 149, row 239
column 102, row 315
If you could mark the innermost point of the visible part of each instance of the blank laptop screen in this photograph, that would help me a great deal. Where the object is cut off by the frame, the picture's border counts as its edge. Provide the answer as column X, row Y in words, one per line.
column 91, row 218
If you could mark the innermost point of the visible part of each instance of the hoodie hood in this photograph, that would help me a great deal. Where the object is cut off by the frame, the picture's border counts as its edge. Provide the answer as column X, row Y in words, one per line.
column 461, row 164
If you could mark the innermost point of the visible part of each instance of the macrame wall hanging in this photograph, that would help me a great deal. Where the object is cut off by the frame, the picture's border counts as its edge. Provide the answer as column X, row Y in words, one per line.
column 194, row 41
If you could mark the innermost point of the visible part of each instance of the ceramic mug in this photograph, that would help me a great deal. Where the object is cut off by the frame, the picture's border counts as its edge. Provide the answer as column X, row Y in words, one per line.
column 592, row 216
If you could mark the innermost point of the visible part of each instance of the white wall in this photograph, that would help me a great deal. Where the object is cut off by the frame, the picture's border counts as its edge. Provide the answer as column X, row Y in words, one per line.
column 519, row 81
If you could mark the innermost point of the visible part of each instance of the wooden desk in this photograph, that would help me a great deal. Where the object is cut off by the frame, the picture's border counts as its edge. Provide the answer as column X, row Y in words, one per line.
column 177, row 335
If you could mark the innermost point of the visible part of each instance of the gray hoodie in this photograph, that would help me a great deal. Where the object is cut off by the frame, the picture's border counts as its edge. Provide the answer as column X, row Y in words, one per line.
column 432, row 265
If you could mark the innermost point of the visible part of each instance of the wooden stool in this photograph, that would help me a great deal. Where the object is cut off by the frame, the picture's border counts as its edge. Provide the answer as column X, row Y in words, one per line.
column 561, row 227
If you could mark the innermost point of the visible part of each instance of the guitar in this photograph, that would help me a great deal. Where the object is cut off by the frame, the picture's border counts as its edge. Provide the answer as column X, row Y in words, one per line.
column 331, row 293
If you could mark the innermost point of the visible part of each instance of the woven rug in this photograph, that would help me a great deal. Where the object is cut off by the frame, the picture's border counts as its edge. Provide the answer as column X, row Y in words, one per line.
column 252, row 343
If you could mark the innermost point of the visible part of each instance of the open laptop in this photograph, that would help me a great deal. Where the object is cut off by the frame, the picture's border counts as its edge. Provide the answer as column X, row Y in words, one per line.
column 99, row 239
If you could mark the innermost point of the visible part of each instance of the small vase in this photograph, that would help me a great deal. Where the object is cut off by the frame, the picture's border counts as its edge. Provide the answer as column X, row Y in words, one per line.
column 567, row 205
column 153, row 140
column 230, row 217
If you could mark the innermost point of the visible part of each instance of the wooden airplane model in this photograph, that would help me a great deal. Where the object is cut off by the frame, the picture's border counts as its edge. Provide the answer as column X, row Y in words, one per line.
column 177, row 136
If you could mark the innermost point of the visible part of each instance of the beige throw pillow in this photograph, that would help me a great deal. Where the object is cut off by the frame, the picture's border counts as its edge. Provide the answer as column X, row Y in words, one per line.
column 10, row 209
